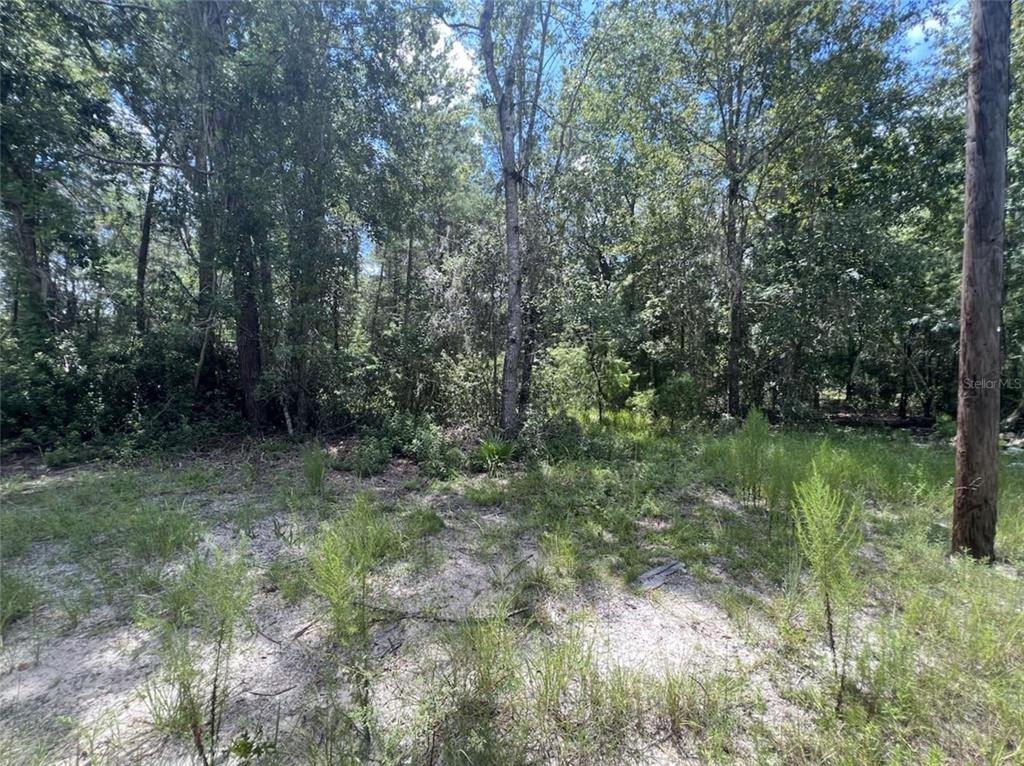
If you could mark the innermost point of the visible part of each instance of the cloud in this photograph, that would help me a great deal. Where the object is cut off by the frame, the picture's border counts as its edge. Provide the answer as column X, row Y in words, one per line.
column 460, row 58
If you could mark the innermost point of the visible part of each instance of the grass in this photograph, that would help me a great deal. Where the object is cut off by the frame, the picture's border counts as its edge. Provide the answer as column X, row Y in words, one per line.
column 935, row 670
column 493, row 701
column 191, row 694
column 18, row 596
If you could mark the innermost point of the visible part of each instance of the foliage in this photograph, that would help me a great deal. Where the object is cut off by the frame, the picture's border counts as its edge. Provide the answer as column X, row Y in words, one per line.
column 929, row 674
column 489, row 454
column 369, row 457
column 829, row 533
column 346, row 552
column 314, row 467
column 191, row 695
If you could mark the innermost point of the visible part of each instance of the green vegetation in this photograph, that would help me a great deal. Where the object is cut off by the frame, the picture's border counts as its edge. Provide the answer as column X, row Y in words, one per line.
column 859, row 540
column 829, row 534
column 191, row 692
column 314, row 468
column 345, row 554
column 17, row 597
column 510, row 382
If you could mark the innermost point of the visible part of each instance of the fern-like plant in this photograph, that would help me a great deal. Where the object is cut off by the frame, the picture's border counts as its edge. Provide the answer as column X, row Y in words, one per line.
column 828, row 532
column 749, row 450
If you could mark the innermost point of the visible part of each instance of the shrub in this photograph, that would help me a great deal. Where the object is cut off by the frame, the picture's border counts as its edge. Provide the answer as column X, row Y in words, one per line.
column 491, row 453
column 191, row 695
column 347, row 551
column 556, row 437
column 368, row 458
column 678, row 398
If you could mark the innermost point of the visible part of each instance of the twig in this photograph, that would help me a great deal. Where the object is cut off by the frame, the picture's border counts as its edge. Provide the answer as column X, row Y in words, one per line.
column 269, row 638
column 273, row 694
column 302, row 631
column 399, row 614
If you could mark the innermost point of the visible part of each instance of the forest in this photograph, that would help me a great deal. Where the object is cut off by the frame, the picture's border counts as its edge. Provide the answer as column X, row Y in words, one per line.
column 511, row 382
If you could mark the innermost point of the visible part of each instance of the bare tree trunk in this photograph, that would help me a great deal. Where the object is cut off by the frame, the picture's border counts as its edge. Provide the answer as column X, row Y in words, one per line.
column 977, row 459
column 33, row 300
column 250, row 360
column 510, row 176
column 408, row 289
column 852, row 365
column 734, row 267
column 529, row 356
column 142, row 261
column 207, row 20
column 514, row 325
column 376, row 297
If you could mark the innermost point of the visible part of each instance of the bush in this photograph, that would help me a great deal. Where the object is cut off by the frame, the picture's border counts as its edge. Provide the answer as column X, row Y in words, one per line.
column 679, row 398
column 559, row 436
column 742, row 458
column 368, row 458
column 347, row 551
column 419, row 439
column 491, row 453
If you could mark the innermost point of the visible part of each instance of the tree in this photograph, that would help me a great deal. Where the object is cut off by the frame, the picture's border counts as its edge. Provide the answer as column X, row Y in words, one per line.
column 977, row 446
column 516, row 112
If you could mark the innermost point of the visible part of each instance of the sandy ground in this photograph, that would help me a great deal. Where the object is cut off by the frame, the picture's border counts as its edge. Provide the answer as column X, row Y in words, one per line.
column 82, row 689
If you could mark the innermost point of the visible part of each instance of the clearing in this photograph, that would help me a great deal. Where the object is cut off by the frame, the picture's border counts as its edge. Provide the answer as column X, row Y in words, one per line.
column 259, row 604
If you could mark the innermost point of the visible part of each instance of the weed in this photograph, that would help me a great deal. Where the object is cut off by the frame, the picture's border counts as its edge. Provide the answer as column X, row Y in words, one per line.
column 485, row 493
column 368, row 458
column 291, row 578
column 346, row 552
column 422, row 522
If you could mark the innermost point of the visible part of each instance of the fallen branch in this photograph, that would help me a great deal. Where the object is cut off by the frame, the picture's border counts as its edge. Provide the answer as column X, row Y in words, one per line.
column 272, row 694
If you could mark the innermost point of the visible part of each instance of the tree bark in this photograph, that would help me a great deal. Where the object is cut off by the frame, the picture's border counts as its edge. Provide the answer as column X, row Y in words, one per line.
column 974, row 504
column 33, row 300
column 247, row 336
column 377, row 292
column 207, row 21
column 528, row 357
column 142, row 261
column 734, row 266
column 510, row 177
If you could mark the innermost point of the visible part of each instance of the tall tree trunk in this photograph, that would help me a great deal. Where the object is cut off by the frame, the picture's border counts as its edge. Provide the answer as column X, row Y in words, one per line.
column 529, row 356
column 142, row 261
column 33, row 299
column 734, row 267
column 977, row 459
column 514, row 325
column 504, row 95
column 377, row 292
column 207, row 21
column 250, row 359
column 852, row 364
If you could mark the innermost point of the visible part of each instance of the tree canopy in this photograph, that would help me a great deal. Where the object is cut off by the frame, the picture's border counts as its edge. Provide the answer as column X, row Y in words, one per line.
column 294, row 216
